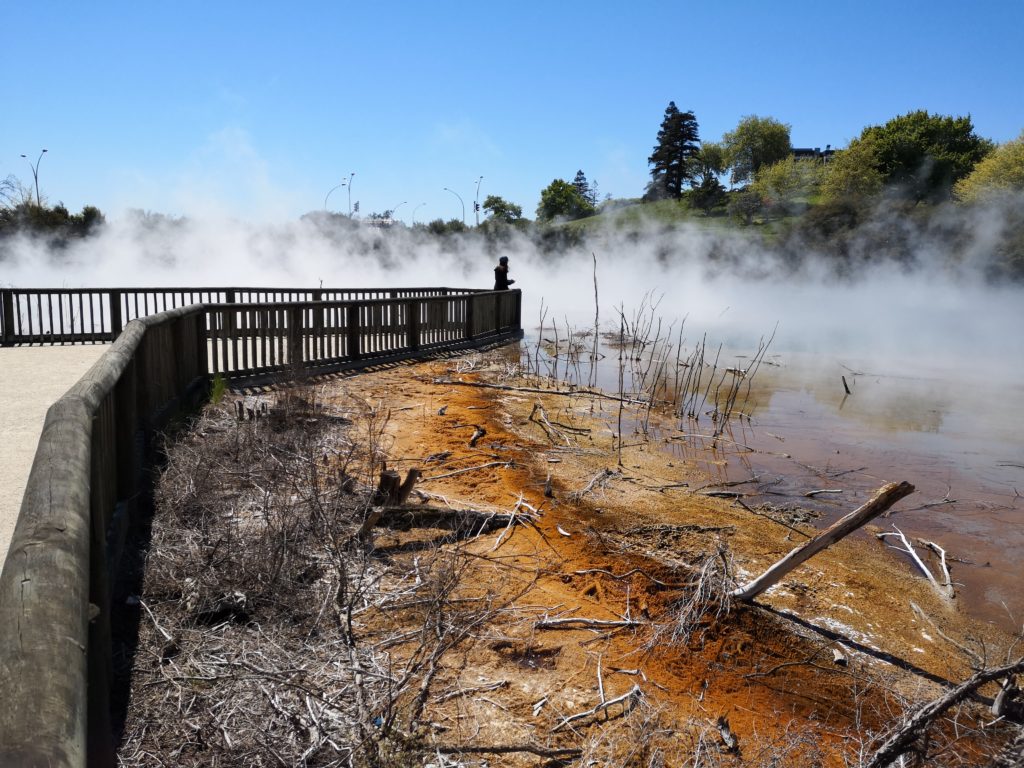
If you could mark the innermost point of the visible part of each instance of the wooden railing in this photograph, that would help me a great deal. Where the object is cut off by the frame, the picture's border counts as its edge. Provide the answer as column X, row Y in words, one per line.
column 83, row 315
column 88, row 482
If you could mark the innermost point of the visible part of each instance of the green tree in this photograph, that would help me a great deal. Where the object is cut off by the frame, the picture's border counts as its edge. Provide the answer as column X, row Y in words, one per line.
column 744, row 204
column 674, row 154
column 584, row 187
column 999, row 173
column 852, row 174
column 757, row 141
column 787, row 181
column 502, row 210
column 444, row 228
column 560, row 199
column 708, row 195
column 710, row 161
column 924, row 155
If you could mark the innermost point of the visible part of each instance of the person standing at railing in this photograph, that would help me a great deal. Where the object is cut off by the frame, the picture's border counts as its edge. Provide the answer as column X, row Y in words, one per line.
column 501, row 281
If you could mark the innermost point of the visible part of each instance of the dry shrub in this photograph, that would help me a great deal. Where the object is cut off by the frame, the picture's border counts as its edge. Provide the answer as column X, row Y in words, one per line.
column 270, row 633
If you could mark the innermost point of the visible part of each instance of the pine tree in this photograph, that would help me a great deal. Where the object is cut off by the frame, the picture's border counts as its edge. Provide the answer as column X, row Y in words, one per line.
column 672, row 161
column 582, row 185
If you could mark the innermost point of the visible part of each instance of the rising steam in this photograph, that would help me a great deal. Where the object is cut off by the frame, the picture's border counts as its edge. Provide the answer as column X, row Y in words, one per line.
column 896, row 286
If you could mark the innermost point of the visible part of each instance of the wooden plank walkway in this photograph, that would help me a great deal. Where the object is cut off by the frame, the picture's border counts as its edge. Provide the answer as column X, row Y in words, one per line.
column 31, row 380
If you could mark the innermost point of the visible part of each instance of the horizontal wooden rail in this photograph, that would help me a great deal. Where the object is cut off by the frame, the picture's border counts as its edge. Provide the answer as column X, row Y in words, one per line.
column 89, row 481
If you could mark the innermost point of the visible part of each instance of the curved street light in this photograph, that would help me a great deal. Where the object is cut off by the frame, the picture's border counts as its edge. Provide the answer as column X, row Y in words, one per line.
column 350, row 192
column 397, row 207
column 35, row 174
column 344, row 183
column 460, row 201
column 476, row 203
column 414, row 213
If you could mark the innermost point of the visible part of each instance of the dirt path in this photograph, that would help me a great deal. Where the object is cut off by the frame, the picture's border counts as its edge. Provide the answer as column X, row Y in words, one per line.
column 31, row 379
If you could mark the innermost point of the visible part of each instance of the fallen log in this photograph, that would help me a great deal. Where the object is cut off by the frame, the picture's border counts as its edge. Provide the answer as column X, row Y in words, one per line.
column 908, row 731
column 406, row 518
column 884, row 498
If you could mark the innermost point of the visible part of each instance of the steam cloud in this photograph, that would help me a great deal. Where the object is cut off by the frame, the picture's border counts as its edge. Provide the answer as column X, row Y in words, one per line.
column 927, row 302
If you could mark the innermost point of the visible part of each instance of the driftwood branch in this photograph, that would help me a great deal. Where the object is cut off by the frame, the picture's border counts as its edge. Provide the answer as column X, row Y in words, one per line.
column 974, row 657
column 406, row 518
column 885, row 497
column 903, row 738
column 557, row 753
column 574, row 623
column 463, row 471
column 946, row 590
column 628, row 699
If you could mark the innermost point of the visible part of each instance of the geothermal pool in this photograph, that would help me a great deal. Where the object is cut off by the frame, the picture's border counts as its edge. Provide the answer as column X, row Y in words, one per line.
column 954, row 433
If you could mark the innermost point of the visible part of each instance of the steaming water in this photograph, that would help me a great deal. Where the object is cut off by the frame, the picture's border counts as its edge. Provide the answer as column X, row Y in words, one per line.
column 954, row 434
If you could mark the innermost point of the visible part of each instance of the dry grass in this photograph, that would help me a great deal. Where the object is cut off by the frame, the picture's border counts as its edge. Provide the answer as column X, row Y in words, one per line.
column 273, row 635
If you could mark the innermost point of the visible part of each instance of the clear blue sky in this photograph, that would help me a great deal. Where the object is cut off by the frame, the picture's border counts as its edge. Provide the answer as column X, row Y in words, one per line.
column 257, row 109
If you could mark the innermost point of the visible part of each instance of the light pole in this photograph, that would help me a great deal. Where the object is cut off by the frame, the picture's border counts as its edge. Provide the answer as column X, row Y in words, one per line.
column 414, row 213
column 476, row 203
column 35, row 174
column 397, row 207
column 344, row 183
column 460, row 202
column 350, row 192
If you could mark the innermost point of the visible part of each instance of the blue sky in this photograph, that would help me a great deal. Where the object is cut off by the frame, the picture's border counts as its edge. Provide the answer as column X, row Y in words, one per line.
column 257, row 109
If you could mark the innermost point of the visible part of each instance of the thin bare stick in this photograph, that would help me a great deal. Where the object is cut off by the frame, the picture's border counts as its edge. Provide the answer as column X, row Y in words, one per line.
column 581, row 623
column 488, row 465
column 908, row 548
column 628, row 699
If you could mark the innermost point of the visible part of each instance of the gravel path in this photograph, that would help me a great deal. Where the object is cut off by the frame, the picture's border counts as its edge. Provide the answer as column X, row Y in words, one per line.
column 31, row 379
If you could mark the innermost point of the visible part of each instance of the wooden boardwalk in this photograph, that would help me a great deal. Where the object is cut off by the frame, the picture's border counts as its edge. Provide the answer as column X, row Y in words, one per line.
column 31, row 380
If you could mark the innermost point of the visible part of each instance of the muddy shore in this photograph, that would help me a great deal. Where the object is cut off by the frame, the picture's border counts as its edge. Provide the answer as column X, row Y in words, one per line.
column 594, row 586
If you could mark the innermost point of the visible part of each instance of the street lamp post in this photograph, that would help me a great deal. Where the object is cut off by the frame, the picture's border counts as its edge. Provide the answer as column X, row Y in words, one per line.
column 476, row 203
column 35, row 174
column 414, row 213
column 350, row 192
column 344, row 183
column 397, row 207
column 460, row 203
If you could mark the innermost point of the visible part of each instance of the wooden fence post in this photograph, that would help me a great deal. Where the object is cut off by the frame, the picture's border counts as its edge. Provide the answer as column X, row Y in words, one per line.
column 116, row 323
column 412, row 308
column 7, row 316
column 352, row 331
column 294, row 338
column 470, row 320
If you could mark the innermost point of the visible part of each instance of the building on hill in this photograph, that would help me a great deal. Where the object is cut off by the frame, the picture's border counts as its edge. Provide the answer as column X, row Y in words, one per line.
column 806, row 153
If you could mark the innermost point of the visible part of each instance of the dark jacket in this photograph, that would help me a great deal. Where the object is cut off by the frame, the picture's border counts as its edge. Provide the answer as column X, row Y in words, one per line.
column 501, row 281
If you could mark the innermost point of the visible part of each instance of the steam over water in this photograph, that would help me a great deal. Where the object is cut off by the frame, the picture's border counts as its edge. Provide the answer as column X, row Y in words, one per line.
column 934, row 353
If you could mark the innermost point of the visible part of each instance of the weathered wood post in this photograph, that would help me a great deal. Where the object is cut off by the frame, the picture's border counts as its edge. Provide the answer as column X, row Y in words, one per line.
column 295, row 337
column 352, row 331
column 99, row 667
column 470, row 331
column 116, row 323
column 7, row 316
column 412, row 308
